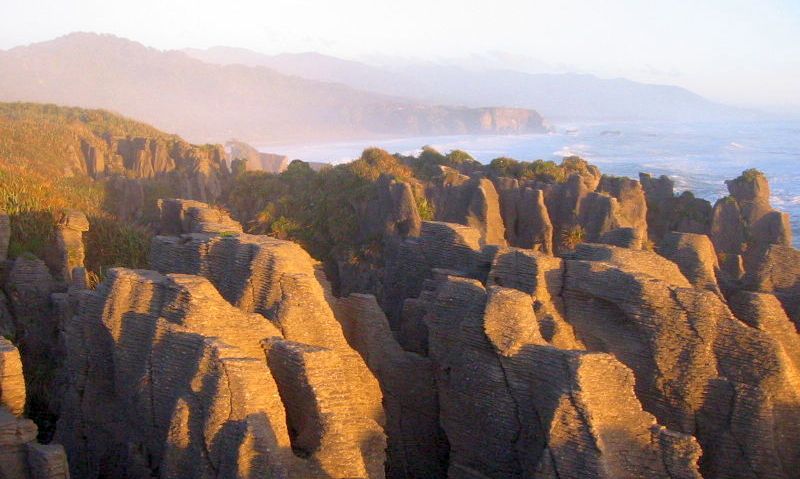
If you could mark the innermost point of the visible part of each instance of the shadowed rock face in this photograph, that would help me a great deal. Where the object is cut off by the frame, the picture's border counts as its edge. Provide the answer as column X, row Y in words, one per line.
column 5, row 235
column 198, row 169
column 472, row 202
column 777, row 271
column 543, row 412
column 667, row 212
column 699, row 369
column 417, row 447
column 20, row 455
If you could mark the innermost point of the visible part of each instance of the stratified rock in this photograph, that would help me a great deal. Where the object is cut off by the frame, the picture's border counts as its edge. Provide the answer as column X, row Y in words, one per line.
column 525, row 216
column 29, row 286
column 745, row 223
column 69, row 244
column 187, row 216
column 12, row 382
column 727, row 227
column 168, row 377
column 623, row 237
column 777, row 271
column 541, row 411
column 632, row 206
column 20, row 455
column 666, row 212
column 698, row 369
column 8, row 327
column 323, row 421
column 471, row 202
column 281, row 282
column 440, row 246
column 417, row 447
column 5, row 235
column 764, row 312
column 695, row 256
column 539, row 276
column 393, row 211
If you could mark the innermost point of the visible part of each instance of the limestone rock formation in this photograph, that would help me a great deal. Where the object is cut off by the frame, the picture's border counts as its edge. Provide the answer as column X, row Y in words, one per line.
column 417, row 447
column 20, row 455
column 166, row 376
column 186, row 216
column 392, row 212
column 668, row 212
column 525, row 215
column 543, row 412
column 471, row 202
column 541, row 277
column 695, row 256
column 744, row 223
column 69, row 248
column 698, row 369
column 777, row 271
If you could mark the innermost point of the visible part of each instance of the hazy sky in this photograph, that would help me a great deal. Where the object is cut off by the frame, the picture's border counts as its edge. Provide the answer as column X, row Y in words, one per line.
column 744, row 52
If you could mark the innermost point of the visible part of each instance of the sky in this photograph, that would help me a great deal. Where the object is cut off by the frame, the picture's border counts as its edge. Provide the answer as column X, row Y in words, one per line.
column 741, row 52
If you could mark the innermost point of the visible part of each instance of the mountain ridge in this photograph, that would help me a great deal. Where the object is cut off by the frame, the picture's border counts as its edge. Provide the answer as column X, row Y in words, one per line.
column 211, row 103
column 562, row 96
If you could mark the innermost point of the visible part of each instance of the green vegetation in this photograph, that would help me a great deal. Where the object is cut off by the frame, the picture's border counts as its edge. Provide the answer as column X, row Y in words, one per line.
column 40, row 176
column 546, row 171
column 426, row 165
column 751, row 175
column 572, row 237
column 317, row 209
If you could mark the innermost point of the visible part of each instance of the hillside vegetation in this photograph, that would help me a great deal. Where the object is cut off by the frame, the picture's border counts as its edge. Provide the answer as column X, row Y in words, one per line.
column 41, row 175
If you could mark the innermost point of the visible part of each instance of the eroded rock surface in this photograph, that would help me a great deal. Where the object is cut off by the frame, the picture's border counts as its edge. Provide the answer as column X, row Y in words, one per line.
column 20, row 455
column 167, row 377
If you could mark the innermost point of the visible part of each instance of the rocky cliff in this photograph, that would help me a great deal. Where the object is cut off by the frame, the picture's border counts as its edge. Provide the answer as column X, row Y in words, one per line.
column 493, row 327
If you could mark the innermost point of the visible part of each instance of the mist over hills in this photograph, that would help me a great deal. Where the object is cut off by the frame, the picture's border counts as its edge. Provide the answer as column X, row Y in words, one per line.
column 564, row 96
column 208, row 102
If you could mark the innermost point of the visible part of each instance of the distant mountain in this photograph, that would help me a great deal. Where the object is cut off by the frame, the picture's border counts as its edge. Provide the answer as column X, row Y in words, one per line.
column 208, row 102
column 569, row 96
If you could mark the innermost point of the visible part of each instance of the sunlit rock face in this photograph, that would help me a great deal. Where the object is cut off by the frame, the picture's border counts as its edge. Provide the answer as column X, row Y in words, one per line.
column 20, row 454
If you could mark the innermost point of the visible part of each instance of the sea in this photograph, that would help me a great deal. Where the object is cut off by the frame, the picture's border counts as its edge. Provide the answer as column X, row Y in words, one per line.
column 698, row 156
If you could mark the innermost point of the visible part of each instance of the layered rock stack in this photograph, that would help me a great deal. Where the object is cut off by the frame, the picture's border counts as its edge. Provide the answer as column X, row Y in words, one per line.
column 744, row 224
column 586, row 206
column 69, row 248
column 21, row 456
column 473, row 202
column 688, row 373
column 667, row 212
column 239, row 369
